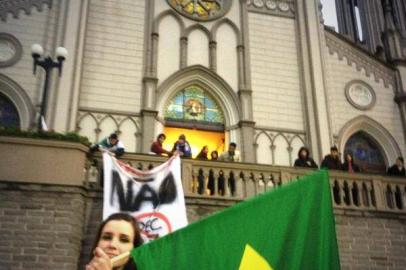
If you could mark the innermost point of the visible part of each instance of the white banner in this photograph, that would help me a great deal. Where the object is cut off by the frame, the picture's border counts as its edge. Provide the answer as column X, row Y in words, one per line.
column 155, row 198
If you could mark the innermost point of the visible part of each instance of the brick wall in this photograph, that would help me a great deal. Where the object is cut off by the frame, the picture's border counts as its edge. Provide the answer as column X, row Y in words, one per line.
column 275, row 72
column 41, row 227
column 371, row 241
column 45, row 227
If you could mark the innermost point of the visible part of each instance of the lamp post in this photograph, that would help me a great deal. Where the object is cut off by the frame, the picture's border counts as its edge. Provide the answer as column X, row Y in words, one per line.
column 47, row 63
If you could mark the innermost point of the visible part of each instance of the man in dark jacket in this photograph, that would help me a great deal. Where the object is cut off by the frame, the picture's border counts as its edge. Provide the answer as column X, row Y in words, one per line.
column 398, row 169
column 304, row 159
column 332, row 161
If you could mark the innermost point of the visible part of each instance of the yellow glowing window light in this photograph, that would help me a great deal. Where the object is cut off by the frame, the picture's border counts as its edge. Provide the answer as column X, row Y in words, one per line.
column 196, row 138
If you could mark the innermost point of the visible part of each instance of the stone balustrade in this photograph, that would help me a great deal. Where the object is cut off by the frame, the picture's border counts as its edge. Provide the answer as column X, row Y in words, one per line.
column 238, row 181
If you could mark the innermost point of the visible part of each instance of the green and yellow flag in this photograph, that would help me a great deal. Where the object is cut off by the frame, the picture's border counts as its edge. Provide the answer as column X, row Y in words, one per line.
column 289, row 228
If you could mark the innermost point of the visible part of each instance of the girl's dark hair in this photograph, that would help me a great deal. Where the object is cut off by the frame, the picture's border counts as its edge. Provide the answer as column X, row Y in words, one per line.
column 306, row 149
column 214, row 152
column 130, row 265
column 161, row 135
column 202, row 155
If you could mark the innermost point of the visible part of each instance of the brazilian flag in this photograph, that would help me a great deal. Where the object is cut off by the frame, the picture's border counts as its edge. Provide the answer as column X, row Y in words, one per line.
column 291, row 227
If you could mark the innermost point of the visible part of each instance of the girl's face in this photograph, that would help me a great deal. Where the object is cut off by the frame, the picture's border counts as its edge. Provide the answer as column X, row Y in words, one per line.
column 116, row 237
column 205, row 149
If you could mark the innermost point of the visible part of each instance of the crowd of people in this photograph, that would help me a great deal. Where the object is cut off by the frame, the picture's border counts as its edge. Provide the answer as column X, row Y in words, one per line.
column 331, row 161
column 119, row 233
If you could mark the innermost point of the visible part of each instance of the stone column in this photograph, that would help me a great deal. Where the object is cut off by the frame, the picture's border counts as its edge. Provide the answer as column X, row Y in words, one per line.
column 148, row 119
column 247, row 140
column 213, row 55
column 183, row 52
column 246, row 123
column 400, row 98
column 311, row 44
column 150, row 82
column 71, row 33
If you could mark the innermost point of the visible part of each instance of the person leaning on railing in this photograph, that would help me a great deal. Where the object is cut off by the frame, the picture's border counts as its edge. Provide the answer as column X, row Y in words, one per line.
column 398, row 169
column 304, row 159
column 157, row 148
column 231, row 155
column 349, row 165
column 332, row 161
column 111, row 144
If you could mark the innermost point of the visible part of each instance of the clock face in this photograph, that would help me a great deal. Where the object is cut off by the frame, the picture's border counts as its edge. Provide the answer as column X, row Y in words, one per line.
column 201, row 10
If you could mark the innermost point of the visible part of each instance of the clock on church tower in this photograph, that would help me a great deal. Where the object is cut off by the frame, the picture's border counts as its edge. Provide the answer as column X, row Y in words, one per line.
column 201, row 10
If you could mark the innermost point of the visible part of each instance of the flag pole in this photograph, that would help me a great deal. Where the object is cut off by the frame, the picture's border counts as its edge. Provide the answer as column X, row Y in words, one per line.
column 120, row 259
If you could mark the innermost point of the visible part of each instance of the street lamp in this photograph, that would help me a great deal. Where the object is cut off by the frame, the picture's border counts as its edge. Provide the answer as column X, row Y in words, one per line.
column 47, row 63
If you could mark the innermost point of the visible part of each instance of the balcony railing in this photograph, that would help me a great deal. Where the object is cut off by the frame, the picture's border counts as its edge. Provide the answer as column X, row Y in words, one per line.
column 238, row 181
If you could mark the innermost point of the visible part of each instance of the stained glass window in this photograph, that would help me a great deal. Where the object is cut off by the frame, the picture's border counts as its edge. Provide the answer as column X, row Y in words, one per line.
column 8, row 113
column 366, row 153
column 194, row 104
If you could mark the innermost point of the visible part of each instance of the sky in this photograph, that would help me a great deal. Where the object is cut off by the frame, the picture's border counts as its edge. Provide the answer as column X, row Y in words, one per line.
column 329, row 13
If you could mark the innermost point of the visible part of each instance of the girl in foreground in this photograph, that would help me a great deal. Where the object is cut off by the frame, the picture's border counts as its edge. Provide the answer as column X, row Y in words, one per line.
column 119, row 233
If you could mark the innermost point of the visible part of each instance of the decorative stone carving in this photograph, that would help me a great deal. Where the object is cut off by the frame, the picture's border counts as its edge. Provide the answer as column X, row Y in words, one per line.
column 10, row 50
column 14, row 7
column 360, row 57
column 360, row 95
column 284, row 8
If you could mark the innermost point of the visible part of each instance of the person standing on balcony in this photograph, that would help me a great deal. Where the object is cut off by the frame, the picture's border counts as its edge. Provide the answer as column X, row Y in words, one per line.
column 349, row 165
column 203, row 153
column 304, row 159
column 111, row 144
column 398, row 169
column 183, row 147
column 231, row 155
column 332, row 161
column 214, row 155
column 157, row 148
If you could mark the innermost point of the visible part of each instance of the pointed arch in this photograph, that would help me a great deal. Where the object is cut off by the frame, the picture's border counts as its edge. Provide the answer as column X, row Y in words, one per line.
column 166, row 13
column 201, row 76
column 197, row 26
column 21, row 100
column 280, row 146
column 87, row 126
column 264, row 152
column 376, row 131
column 229, row 22
column 260, row 133
column 198, row 43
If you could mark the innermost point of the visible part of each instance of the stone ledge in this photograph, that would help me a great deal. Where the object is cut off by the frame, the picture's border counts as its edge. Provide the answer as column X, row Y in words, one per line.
column 42, row 161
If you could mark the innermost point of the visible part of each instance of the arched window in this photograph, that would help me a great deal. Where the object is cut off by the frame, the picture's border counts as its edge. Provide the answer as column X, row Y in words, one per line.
column 366, row 153
column 194, row 107
column 8, row 113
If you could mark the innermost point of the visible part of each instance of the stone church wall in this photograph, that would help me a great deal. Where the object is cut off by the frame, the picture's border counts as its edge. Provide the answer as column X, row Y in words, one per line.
column 113, row 56
column 275, row 72
column 385, row 111
column 40, row 28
